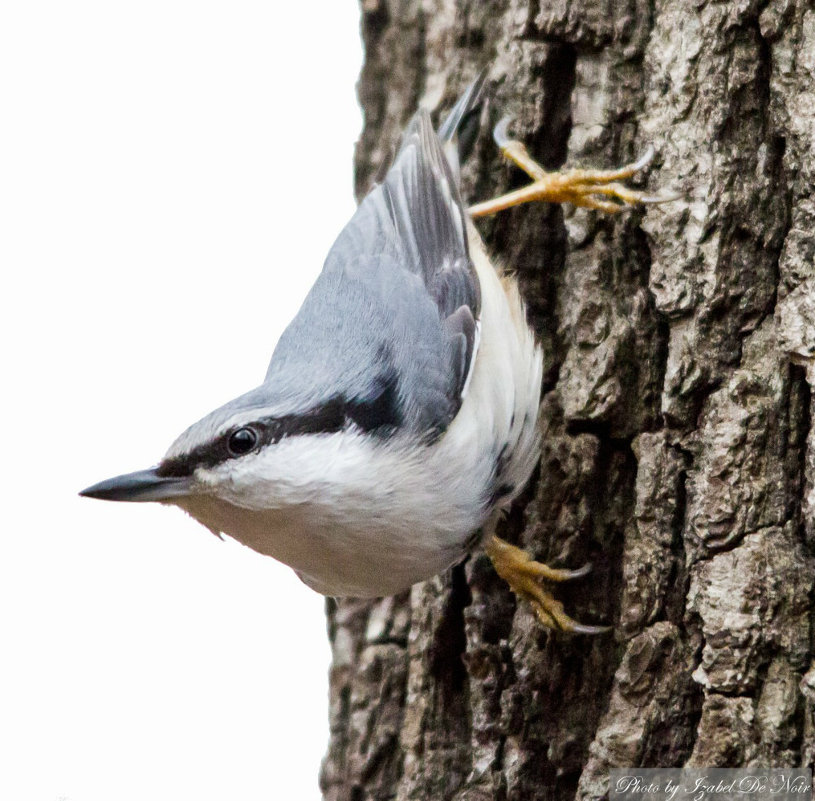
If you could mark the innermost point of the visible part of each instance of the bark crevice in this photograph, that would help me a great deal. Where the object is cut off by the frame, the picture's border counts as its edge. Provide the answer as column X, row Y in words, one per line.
column 678, row 449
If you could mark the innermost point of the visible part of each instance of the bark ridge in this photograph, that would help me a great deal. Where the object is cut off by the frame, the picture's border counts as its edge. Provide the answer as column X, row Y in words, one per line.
column 679, row 456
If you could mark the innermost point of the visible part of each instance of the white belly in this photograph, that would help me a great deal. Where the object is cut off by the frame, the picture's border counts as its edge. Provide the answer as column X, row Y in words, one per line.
column 380, row 555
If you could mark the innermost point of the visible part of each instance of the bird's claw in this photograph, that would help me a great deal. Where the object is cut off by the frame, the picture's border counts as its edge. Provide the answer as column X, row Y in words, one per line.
column 500, row 133
column 526, row 576
column 594, row 189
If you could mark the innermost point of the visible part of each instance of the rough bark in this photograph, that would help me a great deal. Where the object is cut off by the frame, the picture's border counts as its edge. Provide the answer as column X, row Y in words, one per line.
column 678, row 455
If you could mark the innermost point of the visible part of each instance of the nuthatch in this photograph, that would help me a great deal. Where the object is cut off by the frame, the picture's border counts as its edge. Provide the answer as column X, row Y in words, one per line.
column 398, row 416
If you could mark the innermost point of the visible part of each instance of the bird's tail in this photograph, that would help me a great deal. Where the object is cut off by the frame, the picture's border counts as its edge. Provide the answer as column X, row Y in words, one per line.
column 459, row 130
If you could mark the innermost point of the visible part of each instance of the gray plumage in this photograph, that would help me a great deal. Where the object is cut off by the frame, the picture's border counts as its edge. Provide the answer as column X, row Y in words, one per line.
column 401, row 274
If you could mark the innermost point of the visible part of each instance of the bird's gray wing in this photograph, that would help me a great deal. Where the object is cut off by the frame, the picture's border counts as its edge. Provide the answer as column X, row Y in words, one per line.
column 389, row 327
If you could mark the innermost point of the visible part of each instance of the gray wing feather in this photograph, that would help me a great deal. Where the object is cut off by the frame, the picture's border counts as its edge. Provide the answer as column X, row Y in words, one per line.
column 395, row 307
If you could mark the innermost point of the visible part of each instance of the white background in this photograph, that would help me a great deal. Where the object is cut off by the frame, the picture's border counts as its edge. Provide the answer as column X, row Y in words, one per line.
column 172, row 175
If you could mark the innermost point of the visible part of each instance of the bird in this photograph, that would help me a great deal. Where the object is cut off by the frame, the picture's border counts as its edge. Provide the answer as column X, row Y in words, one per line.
column 397, row 420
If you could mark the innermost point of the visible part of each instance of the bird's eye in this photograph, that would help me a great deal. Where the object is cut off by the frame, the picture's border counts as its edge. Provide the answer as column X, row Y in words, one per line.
column 242, row 440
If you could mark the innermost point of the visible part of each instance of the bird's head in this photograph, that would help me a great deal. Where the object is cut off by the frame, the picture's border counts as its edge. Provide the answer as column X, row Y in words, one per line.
column 237, row 453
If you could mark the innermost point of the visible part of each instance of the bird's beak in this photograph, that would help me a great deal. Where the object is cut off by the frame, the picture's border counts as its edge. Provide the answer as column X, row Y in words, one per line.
column 143, row 485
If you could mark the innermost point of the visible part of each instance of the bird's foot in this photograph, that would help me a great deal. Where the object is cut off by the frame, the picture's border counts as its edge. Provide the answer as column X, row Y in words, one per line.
column 593, row 189
column 525, row 576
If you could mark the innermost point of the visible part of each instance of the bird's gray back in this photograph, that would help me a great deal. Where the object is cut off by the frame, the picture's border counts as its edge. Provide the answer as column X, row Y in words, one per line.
column 388, row 329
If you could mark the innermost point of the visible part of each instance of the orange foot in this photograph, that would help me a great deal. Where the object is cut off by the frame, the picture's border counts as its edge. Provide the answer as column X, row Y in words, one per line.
column 593, row 189
column 525, row 576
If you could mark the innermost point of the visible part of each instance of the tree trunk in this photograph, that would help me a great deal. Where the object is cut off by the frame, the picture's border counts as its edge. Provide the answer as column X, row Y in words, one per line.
column 678, row 455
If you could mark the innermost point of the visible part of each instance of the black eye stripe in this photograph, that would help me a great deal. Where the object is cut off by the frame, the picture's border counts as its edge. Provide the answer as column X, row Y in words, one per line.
column 326, row 419
column 380, row 415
